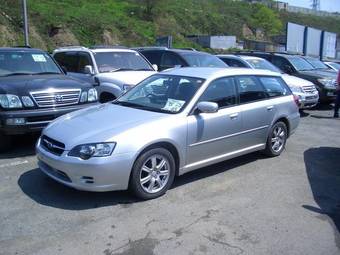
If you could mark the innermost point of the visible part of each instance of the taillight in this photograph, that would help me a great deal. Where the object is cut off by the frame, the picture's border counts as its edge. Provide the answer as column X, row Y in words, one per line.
column 296, row 100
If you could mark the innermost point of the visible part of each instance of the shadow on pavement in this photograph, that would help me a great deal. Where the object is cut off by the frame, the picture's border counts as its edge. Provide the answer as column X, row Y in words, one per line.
column 323, row 171
column 303, row 114
column 323, row 107
column 48, row 192
column 21, row 146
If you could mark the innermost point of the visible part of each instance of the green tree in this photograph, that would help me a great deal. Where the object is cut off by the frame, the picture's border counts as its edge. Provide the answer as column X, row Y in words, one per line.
column 266, row 19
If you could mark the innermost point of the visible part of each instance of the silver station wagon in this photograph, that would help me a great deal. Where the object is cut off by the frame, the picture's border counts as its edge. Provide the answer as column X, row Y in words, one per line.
column 169, row 124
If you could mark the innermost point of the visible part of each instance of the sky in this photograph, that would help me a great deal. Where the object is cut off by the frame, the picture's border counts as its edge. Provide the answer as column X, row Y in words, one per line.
column 326, row 5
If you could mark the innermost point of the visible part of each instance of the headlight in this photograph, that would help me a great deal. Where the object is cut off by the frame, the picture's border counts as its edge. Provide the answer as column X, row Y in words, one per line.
column 86, row 151
column 27, row 101
column 10, row 101
column 83, row 97
column 327, row 82
column 296, row 89
column 126, row 87
column 92, row 95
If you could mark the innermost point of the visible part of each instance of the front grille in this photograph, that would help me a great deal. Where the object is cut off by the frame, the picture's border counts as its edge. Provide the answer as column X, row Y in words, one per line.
column 54, row 98
column 309, row 89
column 51, row 145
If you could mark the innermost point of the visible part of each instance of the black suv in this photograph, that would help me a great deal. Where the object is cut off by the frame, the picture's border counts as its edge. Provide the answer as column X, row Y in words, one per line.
column 166, row 58
column 324, row 80
column 34, row 90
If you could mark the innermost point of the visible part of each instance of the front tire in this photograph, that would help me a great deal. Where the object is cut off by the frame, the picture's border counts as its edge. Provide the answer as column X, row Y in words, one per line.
column 276, row 140
column 5, row 142
column 153, row 173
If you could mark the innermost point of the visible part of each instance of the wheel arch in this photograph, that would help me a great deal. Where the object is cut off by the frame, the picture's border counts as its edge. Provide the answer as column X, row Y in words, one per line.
column 286, row 122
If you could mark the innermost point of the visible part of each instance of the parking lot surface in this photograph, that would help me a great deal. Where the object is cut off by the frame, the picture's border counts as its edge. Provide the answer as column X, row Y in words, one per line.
column 249, row 205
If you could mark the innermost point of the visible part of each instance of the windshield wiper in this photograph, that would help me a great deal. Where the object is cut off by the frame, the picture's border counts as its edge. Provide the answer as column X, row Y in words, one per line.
column 143, row 69
column 118, row 69
column 45, row 73
column 13, row 74
column 138, row 106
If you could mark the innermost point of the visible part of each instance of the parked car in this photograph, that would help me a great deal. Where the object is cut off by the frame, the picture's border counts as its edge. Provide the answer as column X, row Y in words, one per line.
column 305, row 90
column 296, row 65
column 34, row 90
column 202, row 116
column 166, row 58
column 114, row 69
column 333, row 65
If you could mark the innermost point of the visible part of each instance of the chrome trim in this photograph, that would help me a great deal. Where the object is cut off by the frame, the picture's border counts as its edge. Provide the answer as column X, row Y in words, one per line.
column 228, row 136
column 39, row 122
column 56, row 97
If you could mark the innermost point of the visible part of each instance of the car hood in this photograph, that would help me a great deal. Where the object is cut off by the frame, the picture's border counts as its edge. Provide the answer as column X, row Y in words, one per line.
column 125, row 77
column 23, row 84
column 295, row 81
column 98, row 124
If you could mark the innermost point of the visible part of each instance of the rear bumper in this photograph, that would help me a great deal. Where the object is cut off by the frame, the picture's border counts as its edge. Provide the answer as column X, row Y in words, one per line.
column 34, row 120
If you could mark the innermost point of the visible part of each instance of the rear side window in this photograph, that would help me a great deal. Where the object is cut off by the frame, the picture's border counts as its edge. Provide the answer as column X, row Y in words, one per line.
column 221, row 91
column 274, row 86
column 250, row 89
column 84, row 60
column 233, row 62
column 280, row 62
column 154, row 57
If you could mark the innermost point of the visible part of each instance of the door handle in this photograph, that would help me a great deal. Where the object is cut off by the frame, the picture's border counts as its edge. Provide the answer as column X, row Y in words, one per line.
column 270, row 108
column 233, row 116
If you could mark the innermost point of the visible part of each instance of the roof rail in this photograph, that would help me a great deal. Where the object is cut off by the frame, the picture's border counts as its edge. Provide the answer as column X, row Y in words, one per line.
column 150, row 48
column 107, row 47
column 23, row 46
column 71, row 47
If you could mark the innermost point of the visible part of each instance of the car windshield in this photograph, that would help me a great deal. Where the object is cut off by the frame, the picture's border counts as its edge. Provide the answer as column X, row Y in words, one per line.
column 317, row 64
column 263, row 64
column 26, row 63
column 161, row 93
column 121, row 61
column 335, row 65
column 202, row 60
column 300, row 64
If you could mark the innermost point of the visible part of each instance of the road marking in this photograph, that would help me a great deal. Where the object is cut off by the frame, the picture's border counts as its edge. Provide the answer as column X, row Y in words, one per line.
column 16, row 163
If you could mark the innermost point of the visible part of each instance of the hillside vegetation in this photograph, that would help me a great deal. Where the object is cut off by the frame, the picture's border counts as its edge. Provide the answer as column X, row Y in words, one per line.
column 139, row 22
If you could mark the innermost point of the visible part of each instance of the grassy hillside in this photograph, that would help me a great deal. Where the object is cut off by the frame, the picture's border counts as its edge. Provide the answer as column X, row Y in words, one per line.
column 139, row 22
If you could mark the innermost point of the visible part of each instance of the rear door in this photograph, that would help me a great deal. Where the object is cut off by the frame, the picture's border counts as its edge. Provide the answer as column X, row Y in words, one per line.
column 257, row 111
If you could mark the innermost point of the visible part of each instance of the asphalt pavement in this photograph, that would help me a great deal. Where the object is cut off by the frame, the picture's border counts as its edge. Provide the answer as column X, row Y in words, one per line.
column 248, row 205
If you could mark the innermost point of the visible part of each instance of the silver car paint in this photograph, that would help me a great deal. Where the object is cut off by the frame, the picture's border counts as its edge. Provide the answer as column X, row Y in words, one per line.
column 200, row 140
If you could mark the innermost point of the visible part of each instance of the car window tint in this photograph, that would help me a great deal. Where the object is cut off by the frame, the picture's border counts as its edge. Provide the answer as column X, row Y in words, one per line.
column 68, row 60
column 250, row 89
column 170, row 60
column 221, row 91
column 280, row 62
column 274, row 86
column 84, row 60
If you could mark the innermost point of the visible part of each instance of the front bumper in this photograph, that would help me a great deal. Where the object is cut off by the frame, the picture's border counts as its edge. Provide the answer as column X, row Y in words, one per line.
column 35, row 119
column 307, row 100
column 96, row 174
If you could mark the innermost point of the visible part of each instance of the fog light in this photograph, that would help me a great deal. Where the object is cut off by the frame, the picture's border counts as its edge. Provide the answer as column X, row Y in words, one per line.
column 16, row 121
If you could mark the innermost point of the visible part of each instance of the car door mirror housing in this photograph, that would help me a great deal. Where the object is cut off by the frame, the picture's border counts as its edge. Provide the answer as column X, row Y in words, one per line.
column 155, row 67
column 207, row 107
column 88, row 69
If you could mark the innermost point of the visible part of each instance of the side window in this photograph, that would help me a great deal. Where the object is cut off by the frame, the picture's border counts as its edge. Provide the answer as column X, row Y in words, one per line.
column 170, row 60
column 280, row 62
column 67, row 60
column 221, row 91
column 250, row 89
column 233, row 62
column 274, row 86
column 84, row 60
column 154, row 57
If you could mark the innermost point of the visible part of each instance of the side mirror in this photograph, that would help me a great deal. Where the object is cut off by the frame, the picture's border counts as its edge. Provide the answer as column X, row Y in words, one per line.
column 155, row 67
column 207, row 107
column 88, row 69
column 288, row 69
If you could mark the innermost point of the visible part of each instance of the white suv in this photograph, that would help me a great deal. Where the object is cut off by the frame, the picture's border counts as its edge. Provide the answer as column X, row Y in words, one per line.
column 113, row 69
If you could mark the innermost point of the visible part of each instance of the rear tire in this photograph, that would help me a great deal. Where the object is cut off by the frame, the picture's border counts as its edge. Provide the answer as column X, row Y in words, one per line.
column 276, row 140
column 5, row 142
column 152, row 174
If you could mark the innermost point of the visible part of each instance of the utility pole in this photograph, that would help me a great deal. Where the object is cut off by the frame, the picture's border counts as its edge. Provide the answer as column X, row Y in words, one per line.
column 316, row 5
column 24, row 14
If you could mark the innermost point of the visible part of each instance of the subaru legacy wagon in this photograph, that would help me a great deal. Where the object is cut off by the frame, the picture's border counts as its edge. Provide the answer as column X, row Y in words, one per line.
column 169, row 124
